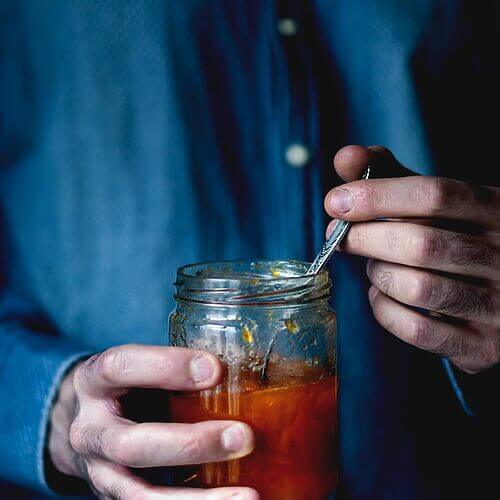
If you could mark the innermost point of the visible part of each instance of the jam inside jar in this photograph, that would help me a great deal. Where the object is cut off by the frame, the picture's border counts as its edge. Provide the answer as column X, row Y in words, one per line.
column 274, row 332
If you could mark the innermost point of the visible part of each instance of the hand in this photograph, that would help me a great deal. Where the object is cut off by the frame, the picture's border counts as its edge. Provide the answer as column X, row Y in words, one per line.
column 91, row 439
column 440, row 251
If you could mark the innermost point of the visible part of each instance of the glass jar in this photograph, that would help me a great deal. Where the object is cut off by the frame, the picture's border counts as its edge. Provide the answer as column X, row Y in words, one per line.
column 274, row 332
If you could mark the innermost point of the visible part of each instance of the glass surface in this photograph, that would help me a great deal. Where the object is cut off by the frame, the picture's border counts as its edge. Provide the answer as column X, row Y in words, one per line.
column 273, row 330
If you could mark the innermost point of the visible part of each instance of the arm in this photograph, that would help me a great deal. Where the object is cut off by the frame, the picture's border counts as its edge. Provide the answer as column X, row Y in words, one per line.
column 63, row 419
column 33, row 361
column 434, row 264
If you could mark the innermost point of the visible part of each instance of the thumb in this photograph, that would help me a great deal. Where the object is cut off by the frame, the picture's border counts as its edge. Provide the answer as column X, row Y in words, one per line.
column 351, row 161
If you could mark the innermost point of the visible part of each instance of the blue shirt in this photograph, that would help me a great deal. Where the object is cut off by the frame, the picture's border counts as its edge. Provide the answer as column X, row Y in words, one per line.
column 136, row 136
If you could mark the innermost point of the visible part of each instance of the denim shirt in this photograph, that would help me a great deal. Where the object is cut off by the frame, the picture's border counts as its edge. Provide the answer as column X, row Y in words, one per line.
column 136, row 136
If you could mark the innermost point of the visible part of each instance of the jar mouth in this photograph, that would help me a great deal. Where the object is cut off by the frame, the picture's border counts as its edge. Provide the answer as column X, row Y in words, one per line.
column 255, row 282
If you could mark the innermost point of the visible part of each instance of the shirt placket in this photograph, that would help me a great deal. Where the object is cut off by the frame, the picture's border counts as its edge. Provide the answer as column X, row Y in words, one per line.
column 300, row 161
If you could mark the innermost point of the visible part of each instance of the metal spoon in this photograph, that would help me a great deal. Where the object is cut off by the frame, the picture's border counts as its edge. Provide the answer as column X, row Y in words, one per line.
column 338, row 234
column 333, row 241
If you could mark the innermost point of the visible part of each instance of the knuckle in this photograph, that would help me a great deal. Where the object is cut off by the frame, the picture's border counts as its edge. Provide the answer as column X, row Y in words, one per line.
column 118, row 491
column 422, row 290
column 483, row 196
column 421, row 333
column 122, row 449
column 477, row 357
column 87, row 440
column 466, row 251
column 113, row 363
column 451, row 346
column 441, row 193
column 193, row 448
column 453, row 300
column 427, row 246
column 383, row 279
column 490, row 353
column 463, row 301
column 103, row 487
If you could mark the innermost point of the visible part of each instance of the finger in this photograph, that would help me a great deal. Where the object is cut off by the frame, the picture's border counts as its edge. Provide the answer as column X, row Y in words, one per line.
column 453, row 341
column 158, row 445
column 113, row 482
column 432, row 291
column 436, row 223
column 227, row 493
column 351, row 161
column 417, row 197
column 173, row 368
column 419, row 246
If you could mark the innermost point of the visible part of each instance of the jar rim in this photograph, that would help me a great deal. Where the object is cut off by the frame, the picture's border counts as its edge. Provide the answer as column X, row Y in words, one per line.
column 256, row 282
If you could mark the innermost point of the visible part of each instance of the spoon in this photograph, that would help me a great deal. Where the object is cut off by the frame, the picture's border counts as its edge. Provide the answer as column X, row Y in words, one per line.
column 338, row 234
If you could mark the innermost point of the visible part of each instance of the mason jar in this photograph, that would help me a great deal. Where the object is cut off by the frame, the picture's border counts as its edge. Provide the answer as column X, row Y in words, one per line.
column 273, row 330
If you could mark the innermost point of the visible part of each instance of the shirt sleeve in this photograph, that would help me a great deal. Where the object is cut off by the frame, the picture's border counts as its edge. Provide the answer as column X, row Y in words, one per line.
column 33, row 360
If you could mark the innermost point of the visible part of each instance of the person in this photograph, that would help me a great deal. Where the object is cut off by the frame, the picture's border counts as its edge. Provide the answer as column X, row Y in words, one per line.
column 139, row 136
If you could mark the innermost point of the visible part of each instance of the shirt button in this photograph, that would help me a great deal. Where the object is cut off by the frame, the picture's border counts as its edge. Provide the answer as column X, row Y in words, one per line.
column 288, row 27
column 297, row 155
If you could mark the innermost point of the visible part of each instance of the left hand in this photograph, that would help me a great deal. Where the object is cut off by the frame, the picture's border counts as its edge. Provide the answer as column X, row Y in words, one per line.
column 440, row 252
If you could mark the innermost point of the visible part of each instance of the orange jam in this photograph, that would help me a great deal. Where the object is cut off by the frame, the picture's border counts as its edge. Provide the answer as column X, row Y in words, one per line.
column 294, row 417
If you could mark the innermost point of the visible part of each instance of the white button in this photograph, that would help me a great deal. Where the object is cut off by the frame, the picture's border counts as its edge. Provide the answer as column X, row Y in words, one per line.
column 297, row 155
column 287, row 26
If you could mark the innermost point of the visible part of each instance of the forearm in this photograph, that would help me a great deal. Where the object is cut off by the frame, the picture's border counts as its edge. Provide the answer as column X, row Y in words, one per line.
column 33, row 363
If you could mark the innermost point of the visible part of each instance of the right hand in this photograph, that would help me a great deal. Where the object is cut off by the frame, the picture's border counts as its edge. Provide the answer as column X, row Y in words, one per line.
column 91, row 439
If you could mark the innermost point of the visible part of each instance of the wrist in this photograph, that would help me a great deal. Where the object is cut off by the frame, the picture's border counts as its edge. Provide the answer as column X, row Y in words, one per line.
column 59, row 452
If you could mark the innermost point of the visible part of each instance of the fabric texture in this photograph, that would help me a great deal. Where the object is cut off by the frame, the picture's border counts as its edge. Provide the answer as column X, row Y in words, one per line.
column 139, row 136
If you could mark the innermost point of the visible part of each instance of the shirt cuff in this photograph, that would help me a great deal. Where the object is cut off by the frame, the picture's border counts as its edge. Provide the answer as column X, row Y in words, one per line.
column 50, row 477
column 32, row 370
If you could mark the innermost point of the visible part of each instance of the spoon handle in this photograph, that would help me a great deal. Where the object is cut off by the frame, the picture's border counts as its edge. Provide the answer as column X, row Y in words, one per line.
column 333, row 241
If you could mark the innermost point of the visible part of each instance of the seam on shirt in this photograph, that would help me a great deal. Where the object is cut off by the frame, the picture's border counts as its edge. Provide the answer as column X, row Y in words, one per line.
column 42, row 431
column 456, row 387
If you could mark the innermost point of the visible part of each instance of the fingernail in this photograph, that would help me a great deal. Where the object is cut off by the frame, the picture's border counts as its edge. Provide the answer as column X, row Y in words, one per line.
column 341, row 201
column 372, row 293
column 201, row 369
column 233, row 438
